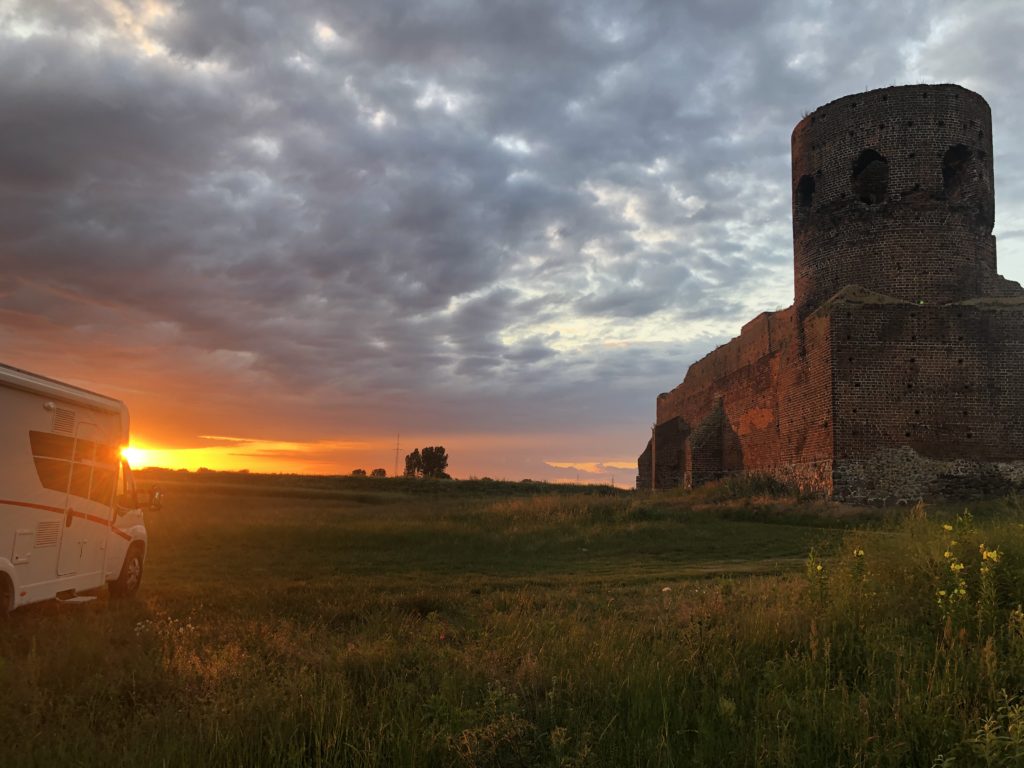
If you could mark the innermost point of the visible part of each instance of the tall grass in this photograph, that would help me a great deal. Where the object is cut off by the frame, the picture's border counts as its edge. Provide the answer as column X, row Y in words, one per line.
column 555, row 631
column 746, row 485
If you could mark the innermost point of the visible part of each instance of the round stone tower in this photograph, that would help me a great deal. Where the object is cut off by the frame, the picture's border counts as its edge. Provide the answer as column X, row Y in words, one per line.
column 892, row 190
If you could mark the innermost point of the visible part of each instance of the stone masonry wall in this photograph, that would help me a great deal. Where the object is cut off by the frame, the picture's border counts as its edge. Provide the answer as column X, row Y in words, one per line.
column 928, row 385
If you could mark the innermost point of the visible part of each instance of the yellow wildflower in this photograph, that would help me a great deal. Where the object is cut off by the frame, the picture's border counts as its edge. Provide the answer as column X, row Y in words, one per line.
column 819, row 567
column 858, row 552
column 947, row 554
column 947, row 527
column 942, row 593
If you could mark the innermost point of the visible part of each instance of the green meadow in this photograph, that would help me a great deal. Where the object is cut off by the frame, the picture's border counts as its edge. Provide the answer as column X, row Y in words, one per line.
column 358, row 622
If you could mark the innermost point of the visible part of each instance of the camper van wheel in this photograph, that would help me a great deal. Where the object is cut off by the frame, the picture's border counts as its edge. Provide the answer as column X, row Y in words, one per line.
column 127, row 584
column 6, row 595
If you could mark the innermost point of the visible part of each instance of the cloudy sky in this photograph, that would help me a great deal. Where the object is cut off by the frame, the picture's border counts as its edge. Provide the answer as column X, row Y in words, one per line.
column 285, row 231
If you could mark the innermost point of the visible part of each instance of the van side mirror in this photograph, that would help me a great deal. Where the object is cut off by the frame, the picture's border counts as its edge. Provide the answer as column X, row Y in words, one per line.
column 151, row 498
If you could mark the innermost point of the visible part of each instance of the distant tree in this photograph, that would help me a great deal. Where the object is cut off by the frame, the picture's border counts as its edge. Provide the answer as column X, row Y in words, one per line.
column 435, row 462
column 414, row 464
column 379, row 472
column 432, row 461
column 358, row 473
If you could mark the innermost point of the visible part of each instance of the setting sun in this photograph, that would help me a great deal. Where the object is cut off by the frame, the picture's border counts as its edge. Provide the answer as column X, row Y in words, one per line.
column 136, row 457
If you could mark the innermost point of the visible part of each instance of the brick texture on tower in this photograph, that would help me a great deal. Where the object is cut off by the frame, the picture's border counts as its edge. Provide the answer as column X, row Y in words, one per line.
column 898, row 373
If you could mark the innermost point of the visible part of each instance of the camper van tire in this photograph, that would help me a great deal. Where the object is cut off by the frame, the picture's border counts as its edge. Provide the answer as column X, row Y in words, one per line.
column 6, row 595
column 127, row 584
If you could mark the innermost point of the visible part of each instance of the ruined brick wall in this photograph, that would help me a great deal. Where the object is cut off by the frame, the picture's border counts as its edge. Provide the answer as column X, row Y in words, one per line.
column 899, row 371
column 759, row 403
column 664, row 456
column 893, row 190
column 921, row 389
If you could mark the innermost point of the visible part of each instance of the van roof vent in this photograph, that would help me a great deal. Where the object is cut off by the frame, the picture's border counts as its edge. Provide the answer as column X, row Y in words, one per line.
column 63, row 420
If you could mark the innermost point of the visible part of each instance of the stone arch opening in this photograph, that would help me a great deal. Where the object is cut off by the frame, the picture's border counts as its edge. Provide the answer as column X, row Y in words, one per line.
column 805, row 193
column 870, row 177
column 954, row 169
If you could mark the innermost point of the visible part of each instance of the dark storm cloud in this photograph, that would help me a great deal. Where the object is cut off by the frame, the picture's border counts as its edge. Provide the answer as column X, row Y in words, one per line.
column 487, row 215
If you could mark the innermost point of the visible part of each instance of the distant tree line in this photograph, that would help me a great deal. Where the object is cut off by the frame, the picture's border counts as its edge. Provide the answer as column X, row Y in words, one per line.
column 432, row 461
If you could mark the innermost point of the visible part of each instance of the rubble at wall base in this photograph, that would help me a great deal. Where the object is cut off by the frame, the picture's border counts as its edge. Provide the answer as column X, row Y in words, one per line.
column 901, row 475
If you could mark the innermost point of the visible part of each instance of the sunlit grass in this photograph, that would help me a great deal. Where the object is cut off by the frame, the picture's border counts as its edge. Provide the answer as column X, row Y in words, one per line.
column 321, row 625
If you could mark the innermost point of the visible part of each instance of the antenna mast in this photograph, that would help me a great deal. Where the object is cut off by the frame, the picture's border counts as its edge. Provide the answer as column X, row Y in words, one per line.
column 398, row 437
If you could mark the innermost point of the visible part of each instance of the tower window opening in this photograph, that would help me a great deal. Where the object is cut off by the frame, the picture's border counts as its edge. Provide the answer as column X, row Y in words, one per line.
column 870, row 177
column 954, row 169
column 805, row 192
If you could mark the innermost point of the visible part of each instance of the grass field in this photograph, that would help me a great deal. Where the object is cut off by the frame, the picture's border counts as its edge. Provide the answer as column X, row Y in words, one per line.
column 386, row 623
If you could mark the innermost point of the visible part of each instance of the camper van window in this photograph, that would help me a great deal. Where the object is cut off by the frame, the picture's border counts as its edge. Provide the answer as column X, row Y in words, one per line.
column 108, row 454
column 80, row 480
column 102, row 488
column 51, row 446
column 53, row 474
column 85, row 450
column 90, row 476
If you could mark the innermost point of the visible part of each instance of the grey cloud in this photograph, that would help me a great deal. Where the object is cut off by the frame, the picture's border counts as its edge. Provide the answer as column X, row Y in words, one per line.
column 532, row 350
column 416, row 210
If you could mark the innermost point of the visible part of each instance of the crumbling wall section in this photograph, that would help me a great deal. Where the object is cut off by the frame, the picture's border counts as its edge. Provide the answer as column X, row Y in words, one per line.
column 759, row 403
column 661, row 465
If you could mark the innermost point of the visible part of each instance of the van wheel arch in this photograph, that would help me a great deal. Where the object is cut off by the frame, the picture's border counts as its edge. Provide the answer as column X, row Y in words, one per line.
column 128, row 581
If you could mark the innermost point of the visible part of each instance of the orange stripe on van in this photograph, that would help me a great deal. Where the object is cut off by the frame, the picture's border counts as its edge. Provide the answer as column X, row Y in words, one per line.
column 74, row 513
column 30, row 505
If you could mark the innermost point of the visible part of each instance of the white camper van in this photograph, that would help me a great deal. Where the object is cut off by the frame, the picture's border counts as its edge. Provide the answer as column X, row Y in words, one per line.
column 69, row 516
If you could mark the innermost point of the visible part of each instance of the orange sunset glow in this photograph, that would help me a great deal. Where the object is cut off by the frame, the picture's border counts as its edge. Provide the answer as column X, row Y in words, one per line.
column 283, row 240
column 242, row 454
column 340, row 457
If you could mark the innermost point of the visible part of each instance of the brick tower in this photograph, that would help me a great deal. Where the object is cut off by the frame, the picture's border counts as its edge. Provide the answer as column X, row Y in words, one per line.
column 893, row 191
